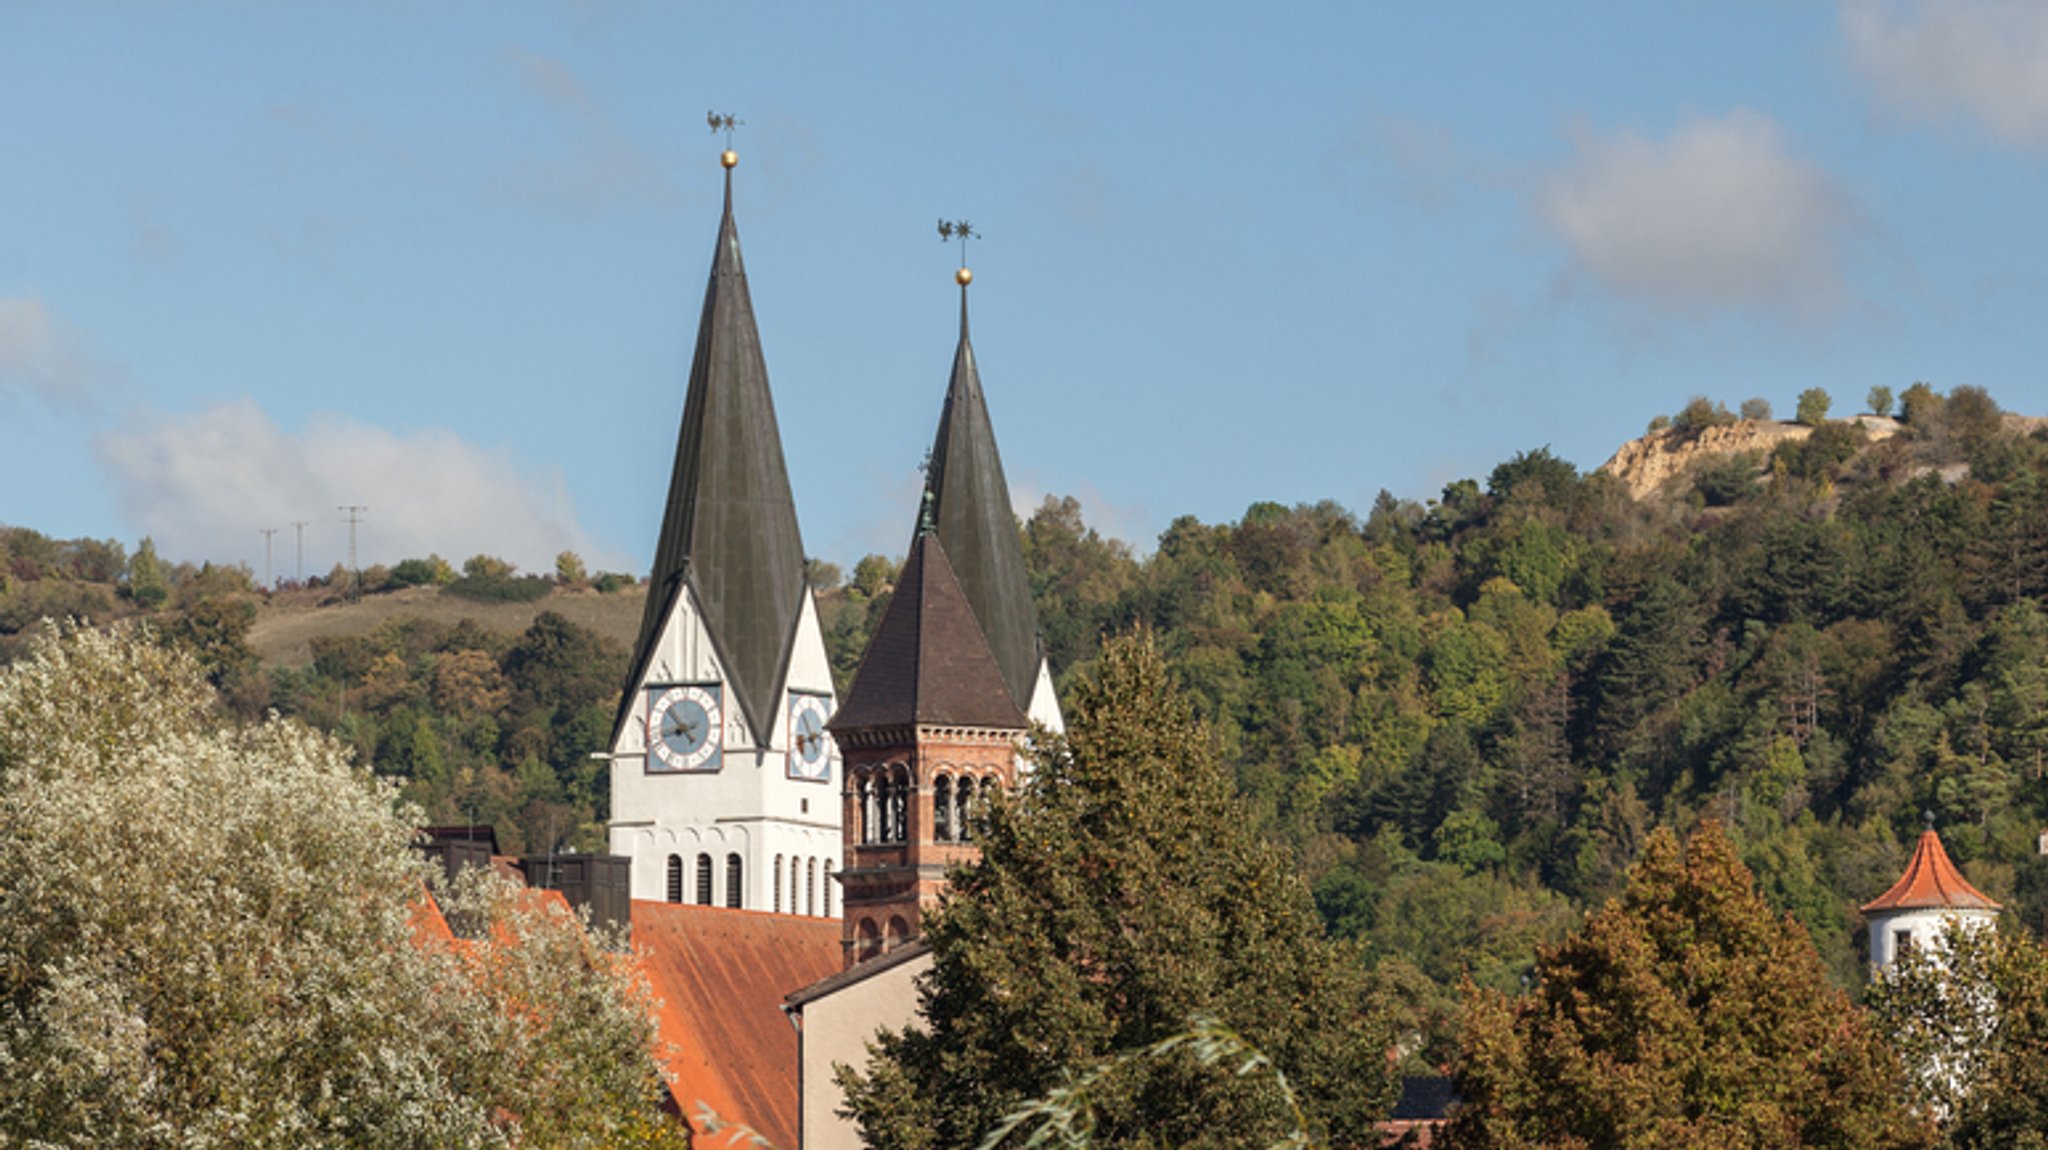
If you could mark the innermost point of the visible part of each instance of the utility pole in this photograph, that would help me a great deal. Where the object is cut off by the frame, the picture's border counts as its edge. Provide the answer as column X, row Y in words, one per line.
column 267, row 533
column 355, row 511
column 299, row 525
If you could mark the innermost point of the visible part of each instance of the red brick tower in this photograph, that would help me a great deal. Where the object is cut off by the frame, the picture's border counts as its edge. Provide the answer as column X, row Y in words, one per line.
column 928, row 727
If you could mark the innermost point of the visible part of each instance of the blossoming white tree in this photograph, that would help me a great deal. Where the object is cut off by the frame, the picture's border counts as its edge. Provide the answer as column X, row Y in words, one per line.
column 211, row 934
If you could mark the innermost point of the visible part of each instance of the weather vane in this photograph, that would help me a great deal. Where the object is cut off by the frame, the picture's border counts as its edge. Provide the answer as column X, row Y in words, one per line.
column 950, row 230
column 725, row 122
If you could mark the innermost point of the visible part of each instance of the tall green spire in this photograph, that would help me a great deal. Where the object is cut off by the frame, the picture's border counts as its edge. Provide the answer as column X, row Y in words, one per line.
column 730, row 532
column 976, row 524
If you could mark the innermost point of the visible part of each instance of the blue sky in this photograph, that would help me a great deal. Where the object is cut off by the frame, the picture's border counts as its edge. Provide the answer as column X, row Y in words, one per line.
column 445, row 260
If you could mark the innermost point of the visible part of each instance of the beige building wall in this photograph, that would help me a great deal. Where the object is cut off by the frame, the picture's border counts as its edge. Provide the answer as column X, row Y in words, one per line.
column 836, row 1027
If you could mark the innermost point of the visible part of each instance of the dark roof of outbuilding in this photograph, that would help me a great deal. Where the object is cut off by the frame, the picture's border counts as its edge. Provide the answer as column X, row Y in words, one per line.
column 977, row 525
column 928, row 661
column 730, row 531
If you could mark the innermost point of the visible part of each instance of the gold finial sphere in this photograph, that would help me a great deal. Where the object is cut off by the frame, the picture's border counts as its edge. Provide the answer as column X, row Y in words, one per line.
column 730, row 159
column 963, row 277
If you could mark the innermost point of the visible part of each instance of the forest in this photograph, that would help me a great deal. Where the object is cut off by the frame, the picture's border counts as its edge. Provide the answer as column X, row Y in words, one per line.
column 1463, row 717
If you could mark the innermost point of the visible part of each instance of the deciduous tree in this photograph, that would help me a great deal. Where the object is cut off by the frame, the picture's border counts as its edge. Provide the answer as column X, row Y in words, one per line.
column 1685, row 1013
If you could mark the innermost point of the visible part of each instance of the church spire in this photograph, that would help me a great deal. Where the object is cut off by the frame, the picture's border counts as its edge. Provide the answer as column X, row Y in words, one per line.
column 975, row 523
column 729, row 533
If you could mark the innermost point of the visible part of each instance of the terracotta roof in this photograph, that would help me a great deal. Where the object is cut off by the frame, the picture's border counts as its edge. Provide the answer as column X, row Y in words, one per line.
column 729, row 531
column 975, row 522
column 928, row 661
column 1930, row 881
column 720, row 976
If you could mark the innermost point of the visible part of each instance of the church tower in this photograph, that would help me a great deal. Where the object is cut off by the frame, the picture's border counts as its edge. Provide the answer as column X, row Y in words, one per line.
column 722, row 774
column 951, row 681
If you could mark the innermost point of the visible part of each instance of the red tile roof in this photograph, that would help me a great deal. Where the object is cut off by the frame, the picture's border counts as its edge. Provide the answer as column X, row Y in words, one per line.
column 720, row 976
column 1930, row 881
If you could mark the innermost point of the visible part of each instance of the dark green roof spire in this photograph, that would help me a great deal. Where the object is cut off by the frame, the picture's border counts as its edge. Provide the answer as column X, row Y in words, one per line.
column 730, row 530
column 976, row 525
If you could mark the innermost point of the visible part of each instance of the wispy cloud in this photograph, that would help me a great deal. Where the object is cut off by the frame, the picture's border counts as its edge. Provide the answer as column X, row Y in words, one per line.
column 43, row 357
column 203, row 484
column 595, row 166
column 1720, row 215
column 1977, row 61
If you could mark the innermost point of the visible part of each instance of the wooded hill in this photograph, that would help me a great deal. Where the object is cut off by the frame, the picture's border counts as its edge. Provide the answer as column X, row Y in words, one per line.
column 1464, row 716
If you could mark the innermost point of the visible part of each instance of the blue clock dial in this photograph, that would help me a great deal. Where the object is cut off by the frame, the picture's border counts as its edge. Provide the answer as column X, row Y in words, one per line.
column 682, row 728
column 810, row 747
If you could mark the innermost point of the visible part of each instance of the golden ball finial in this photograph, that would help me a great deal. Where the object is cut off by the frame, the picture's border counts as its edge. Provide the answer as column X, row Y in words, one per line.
column 730, row 159
column 963, row 277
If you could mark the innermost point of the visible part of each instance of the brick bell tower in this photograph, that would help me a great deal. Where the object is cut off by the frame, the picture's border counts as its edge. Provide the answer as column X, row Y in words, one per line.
column 928, row 728
column 951, row 681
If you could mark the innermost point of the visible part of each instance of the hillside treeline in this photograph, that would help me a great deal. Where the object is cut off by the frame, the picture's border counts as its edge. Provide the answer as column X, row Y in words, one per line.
column 1464, row 715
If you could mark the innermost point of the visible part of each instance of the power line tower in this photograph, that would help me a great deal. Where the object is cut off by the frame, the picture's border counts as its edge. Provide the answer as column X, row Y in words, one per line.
column 299, row 525
column 268, row 532
column 355, row 510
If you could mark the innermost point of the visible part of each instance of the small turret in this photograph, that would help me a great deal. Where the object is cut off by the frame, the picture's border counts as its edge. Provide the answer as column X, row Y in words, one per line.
column 1918, row 908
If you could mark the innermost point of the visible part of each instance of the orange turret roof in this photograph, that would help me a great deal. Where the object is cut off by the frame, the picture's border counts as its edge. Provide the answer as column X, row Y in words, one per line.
column 1930, row 881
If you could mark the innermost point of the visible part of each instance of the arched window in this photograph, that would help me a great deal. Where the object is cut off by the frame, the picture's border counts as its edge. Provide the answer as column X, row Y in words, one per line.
column 870, row 940
column 899, row 932
column 778, row 884
column 963, row 808
column 828, row 888
column 885, row 809
column 866, row 789
column 811, row 887
column 704, row 880
column 675, row 878
column 795, row 866
column 942, row 809
column 899, row 806
column 733, row 886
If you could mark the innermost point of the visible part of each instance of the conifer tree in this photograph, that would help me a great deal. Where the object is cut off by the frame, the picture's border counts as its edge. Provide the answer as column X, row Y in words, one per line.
column 1120, row 895
column 1685, row 1013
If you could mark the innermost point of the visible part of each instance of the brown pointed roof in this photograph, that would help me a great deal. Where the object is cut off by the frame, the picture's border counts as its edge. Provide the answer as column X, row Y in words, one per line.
column 730, row 531
column 928, row 661
column 977, row 526
column 1930, row 881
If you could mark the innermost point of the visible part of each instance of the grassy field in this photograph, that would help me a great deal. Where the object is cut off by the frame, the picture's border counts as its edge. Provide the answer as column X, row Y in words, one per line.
column 285, row 626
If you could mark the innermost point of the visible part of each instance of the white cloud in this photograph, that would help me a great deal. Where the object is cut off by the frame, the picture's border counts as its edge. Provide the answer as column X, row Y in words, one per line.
column 42, row 356
column 1979, row 60
column 205, row 484
column 1721, row 215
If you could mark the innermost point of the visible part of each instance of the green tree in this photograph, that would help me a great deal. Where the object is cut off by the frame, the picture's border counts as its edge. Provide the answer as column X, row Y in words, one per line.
column 1758, row 409
column 1880, row 400
column 1685, row 1013
column 569, row 570
column 146, row 584
column 1813, row 407
column 1120, row 895
column 275, row 987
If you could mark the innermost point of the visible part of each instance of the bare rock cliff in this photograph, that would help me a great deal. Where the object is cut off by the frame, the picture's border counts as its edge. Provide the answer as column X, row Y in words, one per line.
column 1646, row 464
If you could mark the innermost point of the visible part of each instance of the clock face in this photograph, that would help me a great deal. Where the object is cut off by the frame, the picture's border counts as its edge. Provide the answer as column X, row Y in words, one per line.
column 682, row 728
column 810, row 749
